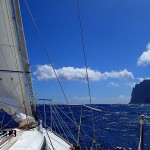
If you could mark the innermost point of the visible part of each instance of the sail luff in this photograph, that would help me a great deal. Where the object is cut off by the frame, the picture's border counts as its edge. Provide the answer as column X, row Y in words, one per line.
column 24, row 49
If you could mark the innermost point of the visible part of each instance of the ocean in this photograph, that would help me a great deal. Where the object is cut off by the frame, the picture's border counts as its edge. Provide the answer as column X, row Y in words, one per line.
column 116, row 127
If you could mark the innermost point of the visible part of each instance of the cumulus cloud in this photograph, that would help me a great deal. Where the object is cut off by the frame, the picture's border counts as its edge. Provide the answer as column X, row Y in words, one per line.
column 144, row 59
column 142, row 79
column 118, row 74
column 45, row 72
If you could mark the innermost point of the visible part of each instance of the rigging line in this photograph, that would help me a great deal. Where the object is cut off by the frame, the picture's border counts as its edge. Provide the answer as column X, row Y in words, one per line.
column 58, row 136
column 75, row 124
column 55, row 124
column 79, row 130
column 60, row 124
column 64, row 123
column 54, row 127
column 67, row 116
column 65, row 127
column 85, row 61
column 15, row 57
column 84, row 52
column 49, row 139
column 46, row 52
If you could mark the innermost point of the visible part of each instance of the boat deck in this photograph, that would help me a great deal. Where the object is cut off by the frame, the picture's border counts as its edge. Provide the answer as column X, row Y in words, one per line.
column 34, row 140
column 55, row 142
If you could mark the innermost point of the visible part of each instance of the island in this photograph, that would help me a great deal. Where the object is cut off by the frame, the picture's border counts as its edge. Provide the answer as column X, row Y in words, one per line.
column 141, row 93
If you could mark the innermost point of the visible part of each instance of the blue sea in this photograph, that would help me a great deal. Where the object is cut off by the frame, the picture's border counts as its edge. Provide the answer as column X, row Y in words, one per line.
column 116, row 127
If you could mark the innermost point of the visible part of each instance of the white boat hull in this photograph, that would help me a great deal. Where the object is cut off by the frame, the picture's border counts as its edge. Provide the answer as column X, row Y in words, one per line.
column 35, row 140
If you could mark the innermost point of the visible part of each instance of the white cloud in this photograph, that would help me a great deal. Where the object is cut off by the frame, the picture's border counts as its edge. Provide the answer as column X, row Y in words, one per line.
column 142, row 79
column 144, row 59
column 118, row 74
column 45, row 72
column 131, row 84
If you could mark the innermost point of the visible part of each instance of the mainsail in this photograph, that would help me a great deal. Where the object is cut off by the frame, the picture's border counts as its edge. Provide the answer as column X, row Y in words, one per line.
column 14, row 65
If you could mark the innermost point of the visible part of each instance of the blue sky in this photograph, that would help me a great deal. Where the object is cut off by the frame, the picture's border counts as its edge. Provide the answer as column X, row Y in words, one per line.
column 116, row 36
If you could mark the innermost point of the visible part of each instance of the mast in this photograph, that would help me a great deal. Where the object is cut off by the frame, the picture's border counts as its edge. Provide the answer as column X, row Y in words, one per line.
column 24, row 49
column 14, row 64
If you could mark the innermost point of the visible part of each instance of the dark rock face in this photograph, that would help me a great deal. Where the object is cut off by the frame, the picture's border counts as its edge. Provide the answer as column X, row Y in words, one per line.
column 141, row 93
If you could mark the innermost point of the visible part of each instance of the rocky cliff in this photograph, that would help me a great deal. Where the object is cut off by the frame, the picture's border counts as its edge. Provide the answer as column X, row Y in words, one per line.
column 141, row 93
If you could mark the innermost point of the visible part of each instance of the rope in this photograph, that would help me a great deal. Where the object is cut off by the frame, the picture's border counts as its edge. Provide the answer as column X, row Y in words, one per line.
column 46, row 52
column 85, row 62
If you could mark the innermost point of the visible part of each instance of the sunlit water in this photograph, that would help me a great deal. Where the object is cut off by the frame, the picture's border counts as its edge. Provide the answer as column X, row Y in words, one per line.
column 116, row 126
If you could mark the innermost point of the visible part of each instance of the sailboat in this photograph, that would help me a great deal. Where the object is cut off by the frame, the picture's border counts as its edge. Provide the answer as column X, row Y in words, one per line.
column 16, row 91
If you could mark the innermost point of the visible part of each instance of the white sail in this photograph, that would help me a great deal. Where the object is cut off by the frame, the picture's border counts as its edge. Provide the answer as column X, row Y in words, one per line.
column 14, row 97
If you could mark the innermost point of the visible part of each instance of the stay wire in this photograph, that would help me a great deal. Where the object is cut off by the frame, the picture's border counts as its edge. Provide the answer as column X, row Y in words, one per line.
column 59, row 122
column 85, row 62
column 64, row 124
column 46, row 52
column 82, row 133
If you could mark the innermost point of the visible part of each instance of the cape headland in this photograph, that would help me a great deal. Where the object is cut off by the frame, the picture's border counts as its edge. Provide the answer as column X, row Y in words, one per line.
column 141, row 93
